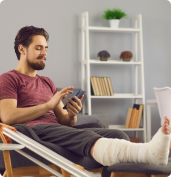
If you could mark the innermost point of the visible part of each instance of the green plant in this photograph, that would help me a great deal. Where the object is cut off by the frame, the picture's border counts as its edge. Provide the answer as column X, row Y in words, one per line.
column 114, row 14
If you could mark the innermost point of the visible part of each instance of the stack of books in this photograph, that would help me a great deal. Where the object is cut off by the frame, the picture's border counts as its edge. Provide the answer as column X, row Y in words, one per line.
column 134, row 116
column 101, row 86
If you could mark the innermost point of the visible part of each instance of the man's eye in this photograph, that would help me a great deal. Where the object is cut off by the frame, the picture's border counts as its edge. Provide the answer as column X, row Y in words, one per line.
column 40, row 49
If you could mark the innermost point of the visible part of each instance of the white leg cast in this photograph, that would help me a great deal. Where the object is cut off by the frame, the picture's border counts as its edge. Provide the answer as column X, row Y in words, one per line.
column 158, row 150
column 109, row 151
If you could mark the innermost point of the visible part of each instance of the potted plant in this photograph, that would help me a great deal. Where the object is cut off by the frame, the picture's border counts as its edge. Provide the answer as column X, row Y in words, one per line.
column 126, row 55
column 114, row 16
column 104, row 55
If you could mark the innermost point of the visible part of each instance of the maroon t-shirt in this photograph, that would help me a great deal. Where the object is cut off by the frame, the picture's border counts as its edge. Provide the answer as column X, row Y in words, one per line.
column 29, row 91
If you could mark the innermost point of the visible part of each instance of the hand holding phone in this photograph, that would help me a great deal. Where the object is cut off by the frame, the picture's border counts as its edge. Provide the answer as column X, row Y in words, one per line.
column 78, row 94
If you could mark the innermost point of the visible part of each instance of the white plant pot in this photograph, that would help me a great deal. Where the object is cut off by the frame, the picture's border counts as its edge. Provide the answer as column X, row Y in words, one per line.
column 114, row 23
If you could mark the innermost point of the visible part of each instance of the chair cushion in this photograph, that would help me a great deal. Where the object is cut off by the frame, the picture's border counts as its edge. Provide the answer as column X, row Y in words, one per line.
column 142, row 168
column 86, row 119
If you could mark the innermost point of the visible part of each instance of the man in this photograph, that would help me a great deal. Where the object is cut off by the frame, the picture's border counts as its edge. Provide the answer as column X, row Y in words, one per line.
column 35, row 101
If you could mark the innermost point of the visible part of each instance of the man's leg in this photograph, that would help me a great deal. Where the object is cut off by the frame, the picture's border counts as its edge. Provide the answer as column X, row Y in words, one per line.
column 107, row 133
column 76, row 140
column 111, row 151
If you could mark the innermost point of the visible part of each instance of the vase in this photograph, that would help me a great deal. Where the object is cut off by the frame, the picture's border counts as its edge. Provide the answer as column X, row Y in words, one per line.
column 126, row 59
column 103, row 59
column 114, row 23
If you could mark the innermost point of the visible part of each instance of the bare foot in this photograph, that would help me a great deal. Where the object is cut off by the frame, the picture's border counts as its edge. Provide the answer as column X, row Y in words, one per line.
column 166, row 129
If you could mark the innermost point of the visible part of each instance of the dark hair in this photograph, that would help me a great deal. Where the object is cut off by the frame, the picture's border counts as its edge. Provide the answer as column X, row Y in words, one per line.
column 24, row 37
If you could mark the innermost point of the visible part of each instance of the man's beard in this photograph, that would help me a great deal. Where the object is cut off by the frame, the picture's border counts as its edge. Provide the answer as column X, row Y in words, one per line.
column 36, row 65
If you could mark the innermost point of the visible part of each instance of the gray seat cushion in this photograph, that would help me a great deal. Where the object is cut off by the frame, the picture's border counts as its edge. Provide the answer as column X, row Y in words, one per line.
column 85, row 119
column 142, row 168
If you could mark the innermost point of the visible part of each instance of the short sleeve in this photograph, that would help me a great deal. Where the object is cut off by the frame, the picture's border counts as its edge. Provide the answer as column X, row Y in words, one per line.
column 52, row 85
column 54, row 88
column 8, row 87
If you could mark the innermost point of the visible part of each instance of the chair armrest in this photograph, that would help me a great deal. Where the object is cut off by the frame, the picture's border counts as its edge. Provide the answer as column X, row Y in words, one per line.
column 5, row 138
column 4, row 147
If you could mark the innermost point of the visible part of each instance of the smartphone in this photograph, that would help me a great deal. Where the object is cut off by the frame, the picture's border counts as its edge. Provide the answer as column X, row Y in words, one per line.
column 78, row 94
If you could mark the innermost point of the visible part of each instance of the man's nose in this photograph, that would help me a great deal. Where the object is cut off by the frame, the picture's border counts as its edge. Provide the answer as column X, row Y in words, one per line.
column 44, row 52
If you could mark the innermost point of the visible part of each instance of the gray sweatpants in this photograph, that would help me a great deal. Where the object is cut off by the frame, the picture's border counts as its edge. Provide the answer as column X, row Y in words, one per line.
column 76, row 140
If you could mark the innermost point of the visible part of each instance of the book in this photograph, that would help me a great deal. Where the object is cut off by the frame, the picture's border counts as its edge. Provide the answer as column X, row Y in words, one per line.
column 92, row 86
column 135, row 119
column 96, row 86
column 99, row 86
column 136, row 106
column 95, row 91
column 107, row 86
column 140, row 113
column 139, row 107
column 100, row 89
column 110, row 86
column 128, row 117
column 133, row 114
column 104, row 87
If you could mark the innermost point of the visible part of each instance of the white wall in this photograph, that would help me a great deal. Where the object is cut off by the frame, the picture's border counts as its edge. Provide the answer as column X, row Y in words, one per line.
column 62, row 20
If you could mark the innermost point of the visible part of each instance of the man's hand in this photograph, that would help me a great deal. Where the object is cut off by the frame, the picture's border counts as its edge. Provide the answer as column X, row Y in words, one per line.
column 74, row 107
column 58, row 97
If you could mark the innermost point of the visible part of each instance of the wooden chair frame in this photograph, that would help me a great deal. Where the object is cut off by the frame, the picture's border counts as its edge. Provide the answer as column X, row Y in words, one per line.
column 66, row 166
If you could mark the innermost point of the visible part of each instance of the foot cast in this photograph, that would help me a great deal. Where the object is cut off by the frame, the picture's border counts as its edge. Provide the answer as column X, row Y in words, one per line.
column 108, row 151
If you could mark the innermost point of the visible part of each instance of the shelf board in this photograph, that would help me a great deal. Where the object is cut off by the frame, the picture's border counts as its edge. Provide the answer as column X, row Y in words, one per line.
column 118, row 62
column 122, row 127
column 108, row 29
column 119, row 95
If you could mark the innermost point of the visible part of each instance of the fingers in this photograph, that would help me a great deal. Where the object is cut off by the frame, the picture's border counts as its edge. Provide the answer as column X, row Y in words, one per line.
column 72, row 110
column 75, row 107
column 64, row 92
column 78, row 100
column 63, row 95
column 77, row 104
column 67, row 89
column 82, row 97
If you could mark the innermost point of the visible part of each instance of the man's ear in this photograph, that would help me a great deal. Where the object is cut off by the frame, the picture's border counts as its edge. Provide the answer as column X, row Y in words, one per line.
column 21, row 49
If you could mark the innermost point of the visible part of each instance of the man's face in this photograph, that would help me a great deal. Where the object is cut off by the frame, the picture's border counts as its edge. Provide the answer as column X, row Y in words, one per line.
column 36, row 52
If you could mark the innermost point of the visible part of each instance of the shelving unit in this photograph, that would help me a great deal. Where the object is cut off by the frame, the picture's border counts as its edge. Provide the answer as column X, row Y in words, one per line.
column 138, row 62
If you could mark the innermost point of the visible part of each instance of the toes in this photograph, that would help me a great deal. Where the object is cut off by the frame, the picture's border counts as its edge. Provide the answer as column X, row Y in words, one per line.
column 165, row 119
column 167, row 130
column 168, row 120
